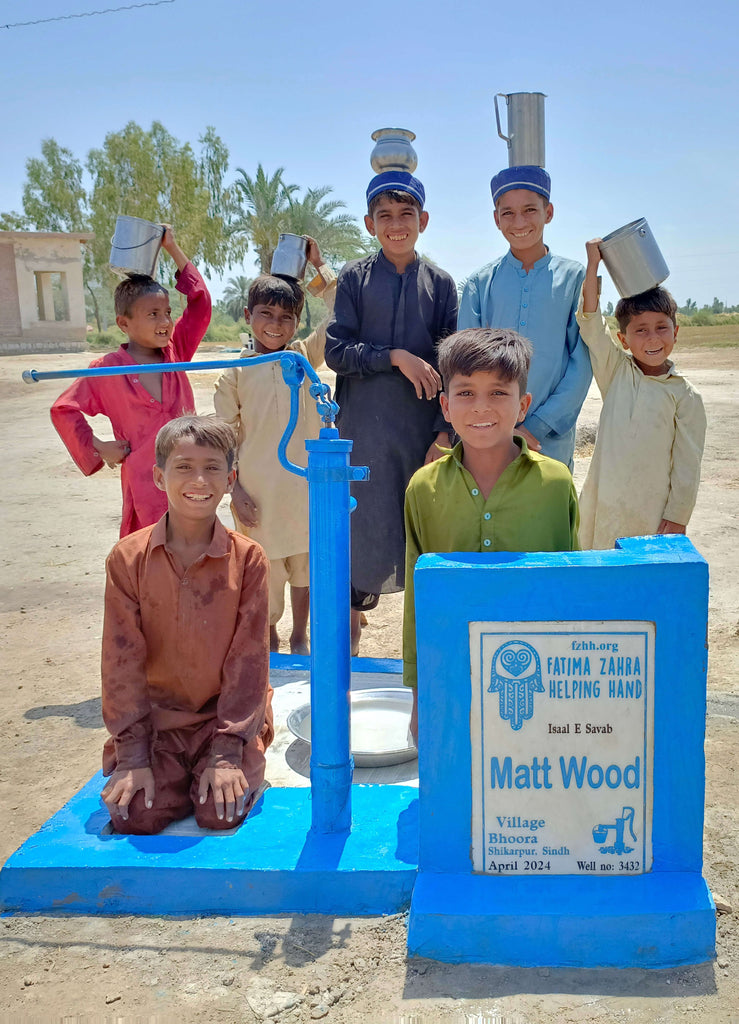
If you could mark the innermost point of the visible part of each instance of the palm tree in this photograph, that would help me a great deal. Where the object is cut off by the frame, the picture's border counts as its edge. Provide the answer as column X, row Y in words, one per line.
column 264, row 203
column 338, row 235
column 235, row 296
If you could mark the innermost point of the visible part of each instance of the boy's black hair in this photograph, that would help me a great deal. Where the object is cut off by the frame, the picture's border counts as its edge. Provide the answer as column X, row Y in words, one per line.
column 207, row 431
column 397, row 197
column 656, row 300
column 132, row 288
column 276, row 290
column 489, row 349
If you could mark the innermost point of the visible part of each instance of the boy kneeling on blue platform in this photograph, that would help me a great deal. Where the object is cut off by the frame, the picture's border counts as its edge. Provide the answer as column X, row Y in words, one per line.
column 185, row 666
column 490, row 492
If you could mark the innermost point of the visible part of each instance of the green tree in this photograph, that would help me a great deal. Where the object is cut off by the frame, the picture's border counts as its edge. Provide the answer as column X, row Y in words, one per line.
column 338, row 235
column 263, row 204
column 150, row 174
column 609, row 309
column 54, row 198
column 235, row 296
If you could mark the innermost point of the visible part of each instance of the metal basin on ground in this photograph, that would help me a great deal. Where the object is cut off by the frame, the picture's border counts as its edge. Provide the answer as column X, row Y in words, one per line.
column 380, row 720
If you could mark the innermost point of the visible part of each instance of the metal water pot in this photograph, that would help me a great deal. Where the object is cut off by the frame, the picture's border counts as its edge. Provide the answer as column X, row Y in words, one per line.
column 525, row 136
column 633, row 259
column 135, row 246
column 393, row 150
column 290, row 258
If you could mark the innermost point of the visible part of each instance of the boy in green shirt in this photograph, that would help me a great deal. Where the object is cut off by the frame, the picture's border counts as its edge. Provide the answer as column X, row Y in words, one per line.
column 490, row 492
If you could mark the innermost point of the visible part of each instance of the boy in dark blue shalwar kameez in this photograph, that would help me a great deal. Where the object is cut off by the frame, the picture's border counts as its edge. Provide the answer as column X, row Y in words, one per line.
column 392, row 308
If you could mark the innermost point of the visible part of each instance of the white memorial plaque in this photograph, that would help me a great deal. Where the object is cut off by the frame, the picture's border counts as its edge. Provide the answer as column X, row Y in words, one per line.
column 562, row 739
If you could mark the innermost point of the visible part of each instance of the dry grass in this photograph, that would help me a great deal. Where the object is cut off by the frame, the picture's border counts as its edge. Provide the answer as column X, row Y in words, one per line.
column 722, row 336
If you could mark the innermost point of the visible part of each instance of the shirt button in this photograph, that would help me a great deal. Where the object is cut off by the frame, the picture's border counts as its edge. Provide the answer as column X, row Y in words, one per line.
column 475, row 491
column 486, row 542
column 525, row 289
column 486, row 516
column 185, row 582
column 525, row 305
column 523, row 323
column 151, row 400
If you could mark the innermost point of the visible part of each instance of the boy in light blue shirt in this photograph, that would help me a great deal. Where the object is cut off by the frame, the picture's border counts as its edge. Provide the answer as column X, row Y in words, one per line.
column 532, row 291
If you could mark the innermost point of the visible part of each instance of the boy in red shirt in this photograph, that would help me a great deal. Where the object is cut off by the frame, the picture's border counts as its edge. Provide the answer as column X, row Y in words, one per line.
column 137, row 406
column 185, row 665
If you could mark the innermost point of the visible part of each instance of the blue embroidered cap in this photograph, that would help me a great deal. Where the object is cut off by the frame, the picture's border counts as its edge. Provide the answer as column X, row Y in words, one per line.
column 396, row 181
column 528, row 176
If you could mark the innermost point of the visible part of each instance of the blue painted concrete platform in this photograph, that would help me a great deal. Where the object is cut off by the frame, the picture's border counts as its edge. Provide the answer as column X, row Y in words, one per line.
column 565, row 921
column 271, row 865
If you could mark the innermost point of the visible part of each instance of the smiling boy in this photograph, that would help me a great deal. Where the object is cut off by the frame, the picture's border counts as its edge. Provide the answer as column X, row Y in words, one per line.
column 533, row 291
column 137, row 406
column 391, row 310
column 490, row 492
column 644, row 474
column 270, row 504
column 185, row 665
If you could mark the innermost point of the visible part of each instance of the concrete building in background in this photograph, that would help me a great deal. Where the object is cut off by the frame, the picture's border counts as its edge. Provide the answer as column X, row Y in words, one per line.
column 42, row 302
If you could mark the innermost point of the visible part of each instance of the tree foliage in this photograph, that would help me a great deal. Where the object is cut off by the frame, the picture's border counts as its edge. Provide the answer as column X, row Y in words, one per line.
column 268, row 207
column 235, row 296
column 149, row 174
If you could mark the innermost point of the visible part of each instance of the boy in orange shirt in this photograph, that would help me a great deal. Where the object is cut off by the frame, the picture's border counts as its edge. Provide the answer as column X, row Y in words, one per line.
column 185, row 666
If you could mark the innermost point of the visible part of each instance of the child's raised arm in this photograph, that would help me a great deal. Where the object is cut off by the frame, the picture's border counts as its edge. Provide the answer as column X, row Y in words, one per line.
column 590, row 295
column 169, row 245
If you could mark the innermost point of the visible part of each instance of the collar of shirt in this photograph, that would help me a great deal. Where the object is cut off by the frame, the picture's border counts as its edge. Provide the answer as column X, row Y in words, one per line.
column 670, row 372
column 219, row 545
column 540, row 264
column 457, row 451
column 384, row 262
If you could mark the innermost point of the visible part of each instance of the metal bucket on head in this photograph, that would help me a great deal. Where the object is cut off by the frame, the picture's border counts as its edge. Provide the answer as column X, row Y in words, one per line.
column 633, row 259
column 135, row 246
column 525, row 136
column 393, row 150
column 290, row 258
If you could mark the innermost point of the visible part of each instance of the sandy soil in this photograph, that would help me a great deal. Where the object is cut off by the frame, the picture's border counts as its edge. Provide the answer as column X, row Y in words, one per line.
column 57, row 528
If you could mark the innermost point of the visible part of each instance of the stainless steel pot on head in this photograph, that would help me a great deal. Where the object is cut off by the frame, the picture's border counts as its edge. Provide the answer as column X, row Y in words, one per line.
column 633, row 259
column 290, row 258
column 135, row 246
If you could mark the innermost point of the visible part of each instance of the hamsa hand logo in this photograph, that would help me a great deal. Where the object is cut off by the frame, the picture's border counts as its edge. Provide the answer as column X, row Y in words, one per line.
column 516, row 674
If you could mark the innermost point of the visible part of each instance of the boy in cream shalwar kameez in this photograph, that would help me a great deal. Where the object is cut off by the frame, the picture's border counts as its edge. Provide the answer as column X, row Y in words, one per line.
column 644, row 474
column 270, row 504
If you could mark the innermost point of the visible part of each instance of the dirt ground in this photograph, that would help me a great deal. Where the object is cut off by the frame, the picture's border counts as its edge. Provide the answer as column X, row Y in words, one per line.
column 57, row 527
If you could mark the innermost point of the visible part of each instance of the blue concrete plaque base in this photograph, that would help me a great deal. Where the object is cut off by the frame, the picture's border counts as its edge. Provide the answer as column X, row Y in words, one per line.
column 642, row 921
column 273, row 864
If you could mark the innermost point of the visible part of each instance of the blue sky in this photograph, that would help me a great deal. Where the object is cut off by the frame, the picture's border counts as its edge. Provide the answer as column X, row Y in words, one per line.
column 641, row 114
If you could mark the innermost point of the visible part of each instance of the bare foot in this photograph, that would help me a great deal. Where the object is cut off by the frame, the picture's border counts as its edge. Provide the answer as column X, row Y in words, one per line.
column 356, row 631
column 274, row 640
column 299, row 646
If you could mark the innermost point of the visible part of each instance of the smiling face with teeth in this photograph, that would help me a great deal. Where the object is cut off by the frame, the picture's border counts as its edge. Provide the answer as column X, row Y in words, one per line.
column 149, row 326
column 651, row 336
column 484, row 408
column 195, row 477
column 396, row 226
column 522, row 216
column 273, row 326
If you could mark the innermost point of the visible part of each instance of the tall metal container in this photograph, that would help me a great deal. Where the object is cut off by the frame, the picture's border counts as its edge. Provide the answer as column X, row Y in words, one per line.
column 525, row 126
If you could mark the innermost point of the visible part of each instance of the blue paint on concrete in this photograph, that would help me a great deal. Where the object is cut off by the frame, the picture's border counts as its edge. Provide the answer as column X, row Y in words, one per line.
column 668, row 915
column 649, row 921
column 273, row 864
